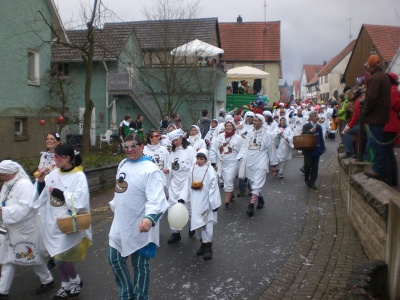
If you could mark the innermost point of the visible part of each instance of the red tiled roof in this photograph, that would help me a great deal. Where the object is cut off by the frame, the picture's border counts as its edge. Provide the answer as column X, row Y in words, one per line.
column 334, row 61
column 296, row 85
column 385, row 38
column 251, row 41
column 312, row 72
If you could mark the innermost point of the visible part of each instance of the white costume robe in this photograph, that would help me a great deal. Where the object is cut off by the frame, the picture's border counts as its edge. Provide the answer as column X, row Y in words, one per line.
column 204, row 201
column 226, row 150
column 271, row 127
column 159, row 155
column 257, row 153
column 179, row 163
column 73, row 184
column 297, row 125
column 197, row 142
column 284, row 151
column 22, row 224
column 140, row 194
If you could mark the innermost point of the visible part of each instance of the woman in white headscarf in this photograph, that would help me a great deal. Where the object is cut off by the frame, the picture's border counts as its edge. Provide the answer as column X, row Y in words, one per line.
column 180, row 160
column 258, row 153
column 195, row 139
column 19, row 241
column 284, row 152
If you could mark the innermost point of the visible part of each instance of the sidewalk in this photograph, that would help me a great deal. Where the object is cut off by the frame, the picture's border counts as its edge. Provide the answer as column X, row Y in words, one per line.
column 327, row 251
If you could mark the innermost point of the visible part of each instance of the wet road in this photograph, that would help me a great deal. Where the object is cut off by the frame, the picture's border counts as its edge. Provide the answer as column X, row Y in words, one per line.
column 247, row 252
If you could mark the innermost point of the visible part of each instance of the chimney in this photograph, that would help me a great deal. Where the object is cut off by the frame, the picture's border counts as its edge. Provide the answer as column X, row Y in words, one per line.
column 239, row 19
column 324, row 62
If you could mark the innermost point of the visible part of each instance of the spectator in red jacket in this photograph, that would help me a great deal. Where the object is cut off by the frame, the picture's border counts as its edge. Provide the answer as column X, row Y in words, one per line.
column 352, row 127
column 390, row 133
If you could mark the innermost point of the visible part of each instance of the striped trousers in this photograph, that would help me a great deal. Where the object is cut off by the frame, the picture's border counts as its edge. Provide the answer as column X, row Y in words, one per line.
column 139, row 289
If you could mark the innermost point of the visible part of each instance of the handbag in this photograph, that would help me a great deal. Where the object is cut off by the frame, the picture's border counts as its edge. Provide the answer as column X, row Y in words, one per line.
column 74, row 222
column 198, row 185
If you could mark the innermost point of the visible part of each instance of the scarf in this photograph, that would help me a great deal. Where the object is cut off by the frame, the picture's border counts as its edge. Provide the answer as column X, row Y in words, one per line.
column 229, row 134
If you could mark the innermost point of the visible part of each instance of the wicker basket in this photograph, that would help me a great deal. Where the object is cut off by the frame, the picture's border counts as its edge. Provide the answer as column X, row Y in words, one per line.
column 305, row 142
column 69, row 224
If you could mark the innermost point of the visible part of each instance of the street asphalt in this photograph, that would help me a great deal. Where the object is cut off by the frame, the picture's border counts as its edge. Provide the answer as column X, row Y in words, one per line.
column 251, row 256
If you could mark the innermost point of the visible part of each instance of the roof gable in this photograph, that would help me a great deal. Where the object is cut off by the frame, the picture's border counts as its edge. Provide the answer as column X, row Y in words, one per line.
column 169, row 34
column 337, row 59
column 251, row 41
column 311, row 72
column 385, row 38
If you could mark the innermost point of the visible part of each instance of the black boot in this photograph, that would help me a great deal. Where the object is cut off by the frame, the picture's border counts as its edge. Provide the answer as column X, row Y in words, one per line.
column 191, row 232
column 250, row 209
column 261, row 202
column 175, row 237
column 202, row 249
column 207, row 251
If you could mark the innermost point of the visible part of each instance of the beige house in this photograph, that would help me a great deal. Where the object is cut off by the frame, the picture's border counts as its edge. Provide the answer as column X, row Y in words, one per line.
column 257, row 45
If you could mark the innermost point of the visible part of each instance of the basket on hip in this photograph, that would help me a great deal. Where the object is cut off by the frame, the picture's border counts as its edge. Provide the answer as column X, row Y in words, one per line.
column 74, row 222
column 70, row 224
column 305, row 142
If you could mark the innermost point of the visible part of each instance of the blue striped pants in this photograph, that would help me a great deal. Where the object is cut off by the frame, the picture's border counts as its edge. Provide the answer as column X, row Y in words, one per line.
column 139, row 290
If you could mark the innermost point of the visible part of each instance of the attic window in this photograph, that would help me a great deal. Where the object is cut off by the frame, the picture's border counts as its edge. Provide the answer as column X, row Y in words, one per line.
column 59, row 69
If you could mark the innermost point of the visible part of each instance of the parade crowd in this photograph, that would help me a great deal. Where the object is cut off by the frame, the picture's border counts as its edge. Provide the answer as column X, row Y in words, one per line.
column 165, row 167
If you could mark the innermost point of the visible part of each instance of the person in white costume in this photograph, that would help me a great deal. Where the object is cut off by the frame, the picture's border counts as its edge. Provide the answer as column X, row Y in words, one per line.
column 165, row 141
column 210, row 134
column 61, row 191
column 284, row 150
column 181, row 159
column 159, row 154
column 225, row 149
column 19, row 239
column 246, row 126
column 270, row 124
column 257, row 154
column 204, row 199
column 323, row 120
column 138, row 204
column 298, row 122
column 195, row 139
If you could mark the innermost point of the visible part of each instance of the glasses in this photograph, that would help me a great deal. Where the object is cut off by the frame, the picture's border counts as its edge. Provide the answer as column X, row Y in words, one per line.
column 155, row 135
column 56, row 156
column 250, row 117
column 130, row 146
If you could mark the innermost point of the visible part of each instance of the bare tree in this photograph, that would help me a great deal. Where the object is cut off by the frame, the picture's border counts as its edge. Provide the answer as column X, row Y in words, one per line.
column 171, row 80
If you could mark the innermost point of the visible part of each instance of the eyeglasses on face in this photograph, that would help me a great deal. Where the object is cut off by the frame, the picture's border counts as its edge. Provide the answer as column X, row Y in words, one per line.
column 155, row 135
column 130, row 146
column 56, row 156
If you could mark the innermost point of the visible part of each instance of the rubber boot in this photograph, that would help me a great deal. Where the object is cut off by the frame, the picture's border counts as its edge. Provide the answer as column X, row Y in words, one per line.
column 175, row 237
column 208, row 251
column 261, row 202
column 202, row 249
column 250, row 209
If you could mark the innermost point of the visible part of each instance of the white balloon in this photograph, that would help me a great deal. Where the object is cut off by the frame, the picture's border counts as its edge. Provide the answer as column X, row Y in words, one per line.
column 178, row 216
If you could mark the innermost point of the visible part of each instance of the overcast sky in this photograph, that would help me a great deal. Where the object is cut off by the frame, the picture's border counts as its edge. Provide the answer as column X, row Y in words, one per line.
column 312, row 31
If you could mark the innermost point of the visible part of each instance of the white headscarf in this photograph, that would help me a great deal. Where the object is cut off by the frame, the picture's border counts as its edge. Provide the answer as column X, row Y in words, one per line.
column 11, row 167
column 261, row 117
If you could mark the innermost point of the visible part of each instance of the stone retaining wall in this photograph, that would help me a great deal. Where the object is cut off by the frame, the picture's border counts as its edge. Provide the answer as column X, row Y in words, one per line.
column 373, row 208
column 100, row 179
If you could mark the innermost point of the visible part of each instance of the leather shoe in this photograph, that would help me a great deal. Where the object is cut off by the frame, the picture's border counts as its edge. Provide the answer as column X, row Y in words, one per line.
column 372, row 174
column 312, row 185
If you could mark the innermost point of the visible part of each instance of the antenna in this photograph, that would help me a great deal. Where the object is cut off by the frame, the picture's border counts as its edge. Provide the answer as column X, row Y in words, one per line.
column 265, row 11
column 350, row 36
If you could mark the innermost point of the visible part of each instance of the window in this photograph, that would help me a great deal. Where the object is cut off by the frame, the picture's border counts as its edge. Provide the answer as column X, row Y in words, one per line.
column 33, row 67
column 59, row 69
column 259, row 66
column 20, row 128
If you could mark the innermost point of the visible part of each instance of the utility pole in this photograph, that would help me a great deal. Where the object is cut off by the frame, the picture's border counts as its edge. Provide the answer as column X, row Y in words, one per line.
column 350, row 36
